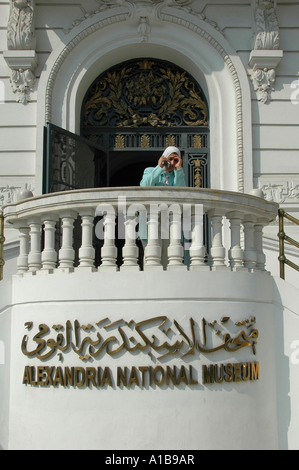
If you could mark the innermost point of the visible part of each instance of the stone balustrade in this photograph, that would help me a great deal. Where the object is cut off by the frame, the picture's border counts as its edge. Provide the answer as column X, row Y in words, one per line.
column 186, row 228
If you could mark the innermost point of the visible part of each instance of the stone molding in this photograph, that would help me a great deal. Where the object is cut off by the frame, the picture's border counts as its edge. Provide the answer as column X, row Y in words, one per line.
column 265, row 56
column 21, row 57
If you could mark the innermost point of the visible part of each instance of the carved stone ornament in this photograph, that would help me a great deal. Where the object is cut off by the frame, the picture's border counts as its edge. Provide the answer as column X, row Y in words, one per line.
column 179, row 3
column 281, row 192
column 267, row 27
column 144, row 29
column 20, row 28
column 23, row 79
column 11, row 194
column 266, row 56
column 21, row 56
column 142, row 8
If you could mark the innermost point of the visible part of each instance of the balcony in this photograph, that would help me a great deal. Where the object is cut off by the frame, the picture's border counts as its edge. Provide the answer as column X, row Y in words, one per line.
column 192, row 229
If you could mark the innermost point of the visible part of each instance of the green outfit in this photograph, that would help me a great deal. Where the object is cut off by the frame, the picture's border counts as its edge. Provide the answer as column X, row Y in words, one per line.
column 158, row 177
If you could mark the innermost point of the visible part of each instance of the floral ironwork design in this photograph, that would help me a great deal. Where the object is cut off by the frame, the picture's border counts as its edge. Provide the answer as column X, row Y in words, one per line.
column 145, row 92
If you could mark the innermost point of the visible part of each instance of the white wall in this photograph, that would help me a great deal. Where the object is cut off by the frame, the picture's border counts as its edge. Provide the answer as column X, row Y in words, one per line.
column 5, row 337
column 273, row 166
column 236, row 415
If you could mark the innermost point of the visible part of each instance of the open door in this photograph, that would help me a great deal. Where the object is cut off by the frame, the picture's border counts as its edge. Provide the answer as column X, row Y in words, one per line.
column 72, row 162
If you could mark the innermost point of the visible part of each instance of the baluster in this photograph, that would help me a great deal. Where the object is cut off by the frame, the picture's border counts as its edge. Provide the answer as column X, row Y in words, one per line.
column 197, row 250
column 24, row 250
column 109, row 250
column 235, row 253
column 34, row 257
column 258, row 239
column 153, row 249
column 175, row 249
column 217, row 249
column 49, row 255
column 87, row 251
column 130, row 250
column 67, row 252
column 250, row 256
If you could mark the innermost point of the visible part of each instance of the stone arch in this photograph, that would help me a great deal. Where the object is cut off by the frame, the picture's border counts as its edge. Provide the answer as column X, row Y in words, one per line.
column 101, row 41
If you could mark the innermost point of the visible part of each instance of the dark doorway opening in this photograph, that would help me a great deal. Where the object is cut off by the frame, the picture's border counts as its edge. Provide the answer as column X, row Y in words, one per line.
column 126, row 168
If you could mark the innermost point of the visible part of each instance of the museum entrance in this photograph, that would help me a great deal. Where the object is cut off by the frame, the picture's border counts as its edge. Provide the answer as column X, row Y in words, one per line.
column 138, row 108
column 129, row 115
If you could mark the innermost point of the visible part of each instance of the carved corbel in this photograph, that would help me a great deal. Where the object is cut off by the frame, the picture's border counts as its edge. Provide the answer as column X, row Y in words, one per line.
column 266, row 55
column 21, row 56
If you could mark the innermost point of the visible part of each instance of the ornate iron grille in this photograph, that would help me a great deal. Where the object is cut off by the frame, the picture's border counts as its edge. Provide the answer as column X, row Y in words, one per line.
column 147, row 105
column 145, row 92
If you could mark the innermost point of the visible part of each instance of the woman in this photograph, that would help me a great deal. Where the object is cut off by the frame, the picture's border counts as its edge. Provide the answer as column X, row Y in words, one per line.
column 168, row 172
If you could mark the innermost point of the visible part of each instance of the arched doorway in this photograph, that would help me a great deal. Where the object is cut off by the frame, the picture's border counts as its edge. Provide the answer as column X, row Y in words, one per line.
column 136, row 109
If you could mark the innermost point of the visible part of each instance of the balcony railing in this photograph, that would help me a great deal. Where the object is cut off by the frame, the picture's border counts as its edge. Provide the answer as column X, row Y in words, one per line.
column 75, row 230
column 283, row 237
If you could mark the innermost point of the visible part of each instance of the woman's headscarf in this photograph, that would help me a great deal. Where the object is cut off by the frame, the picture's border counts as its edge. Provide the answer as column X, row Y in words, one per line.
column 169, row 150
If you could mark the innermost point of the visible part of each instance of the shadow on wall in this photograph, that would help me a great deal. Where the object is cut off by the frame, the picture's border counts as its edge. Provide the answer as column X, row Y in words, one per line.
column 282, row 374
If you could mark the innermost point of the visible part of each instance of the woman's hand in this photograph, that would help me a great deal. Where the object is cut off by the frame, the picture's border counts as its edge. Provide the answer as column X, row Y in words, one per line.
column 171, row 163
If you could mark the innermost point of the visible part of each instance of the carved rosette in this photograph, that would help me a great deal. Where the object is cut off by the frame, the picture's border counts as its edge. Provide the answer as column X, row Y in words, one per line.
column 21, row 56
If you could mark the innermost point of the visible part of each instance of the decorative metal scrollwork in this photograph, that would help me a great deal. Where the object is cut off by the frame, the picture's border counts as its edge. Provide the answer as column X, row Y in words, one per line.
column 145, row 92
column 198, row 170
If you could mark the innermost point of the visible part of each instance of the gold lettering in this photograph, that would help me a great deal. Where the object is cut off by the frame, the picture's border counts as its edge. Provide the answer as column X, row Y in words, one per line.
column 40, row 376
column 59, row 343
column 134, row 377
column 122, row 376
column 90, row 376
column 171, row 375
column 208, row 374
column 219, row 379
column 26, row 377
column 192, row 381
column 143, row 370
column 79, row 376
column 160, row 381
column 106, row 379
column 68, row 376
column 255, row 370
column 32, row 376
column 229, row 370
column 182, row 377
column 49, row 371
column 58, row 379
column 237, row 372
column 246, row 370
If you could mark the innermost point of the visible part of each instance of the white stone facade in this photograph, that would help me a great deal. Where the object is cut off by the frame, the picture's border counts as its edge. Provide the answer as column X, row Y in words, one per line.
column 245, row 57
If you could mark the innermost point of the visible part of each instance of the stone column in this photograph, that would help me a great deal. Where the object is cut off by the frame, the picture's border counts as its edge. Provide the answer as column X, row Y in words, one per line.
column 87, row 251
column 34, row 257
column 49, row 255
column 67, row 252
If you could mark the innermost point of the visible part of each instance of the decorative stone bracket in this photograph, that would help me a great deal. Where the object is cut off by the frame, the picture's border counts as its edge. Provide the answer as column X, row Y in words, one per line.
column 264, row 64
column 23, row 64
column 21, row 56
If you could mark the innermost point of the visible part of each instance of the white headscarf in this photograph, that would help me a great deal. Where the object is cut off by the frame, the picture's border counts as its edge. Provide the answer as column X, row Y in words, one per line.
column 169, row 150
